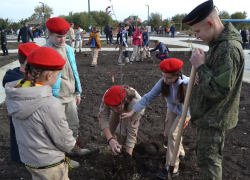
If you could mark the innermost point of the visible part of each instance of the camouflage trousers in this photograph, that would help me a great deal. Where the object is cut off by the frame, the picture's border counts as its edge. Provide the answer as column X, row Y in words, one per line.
column 210, row 143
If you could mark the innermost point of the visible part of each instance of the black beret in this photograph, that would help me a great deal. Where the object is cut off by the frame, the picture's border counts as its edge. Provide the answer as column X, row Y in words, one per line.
column 199, row 13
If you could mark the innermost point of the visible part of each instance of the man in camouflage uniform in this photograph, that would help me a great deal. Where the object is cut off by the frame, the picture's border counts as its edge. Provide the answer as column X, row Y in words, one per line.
column 215, row 98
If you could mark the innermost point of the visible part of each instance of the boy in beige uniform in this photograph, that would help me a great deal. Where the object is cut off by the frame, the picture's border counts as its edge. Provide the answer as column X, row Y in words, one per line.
column 109, row 117
column 72, row 35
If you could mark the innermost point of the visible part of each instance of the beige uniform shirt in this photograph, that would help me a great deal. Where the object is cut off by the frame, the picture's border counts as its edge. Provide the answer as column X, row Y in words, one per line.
column 67, row 88
column 129, row 124
column 71, row 34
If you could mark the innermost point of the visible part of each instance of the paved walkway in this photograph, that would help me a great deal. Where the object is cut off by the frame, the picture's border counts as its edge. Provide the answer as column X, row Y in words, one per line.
column 166, row 40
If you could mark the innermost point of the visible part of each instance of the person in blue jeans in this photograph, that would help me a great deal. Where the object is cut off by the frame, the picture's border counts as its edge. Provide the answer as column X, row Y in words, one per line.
column 163, row 50
column 13, row 75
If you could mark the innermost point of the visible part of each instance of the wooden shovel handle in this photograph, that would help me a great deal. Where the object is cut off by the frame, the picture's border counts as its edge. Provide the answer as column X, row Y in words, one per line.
column 183, row 119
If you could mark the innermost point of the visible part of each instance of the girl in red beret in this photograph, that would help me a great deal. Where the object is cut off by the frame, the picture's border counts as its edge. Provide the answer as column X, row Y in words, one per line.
column 173, row 87
column 42, row 132
column 67, row 87
column 96, row 38
column 109, row 118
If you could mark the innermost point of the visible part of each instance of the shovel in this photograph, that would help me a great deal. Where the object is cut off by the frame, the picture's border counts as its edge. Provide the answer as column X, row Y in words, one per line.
column 183, row 119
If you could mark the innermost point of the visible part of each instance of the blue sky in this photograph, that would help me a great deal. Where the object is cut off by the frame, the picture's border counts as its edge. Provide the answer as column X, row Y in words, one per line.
column 18, row 9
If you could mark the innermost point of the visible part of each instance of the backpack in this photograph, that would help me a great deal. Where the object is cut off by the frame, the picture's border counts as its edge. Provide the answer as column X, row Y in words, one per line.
column 92, row 43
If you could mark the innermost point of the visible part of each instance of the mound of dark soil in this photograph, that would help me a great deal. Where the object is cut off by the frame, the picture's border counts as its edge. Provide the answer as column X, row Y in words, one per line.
column 149, row 153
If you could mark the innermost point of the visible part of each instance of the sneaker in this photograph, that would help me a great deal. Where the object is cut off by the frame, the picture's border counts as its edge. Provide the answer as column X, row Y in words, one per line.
column 77, row 151
column 94, row 65
column 164, row 173
column 120, row 64
column 73, row 163
column 130, row 62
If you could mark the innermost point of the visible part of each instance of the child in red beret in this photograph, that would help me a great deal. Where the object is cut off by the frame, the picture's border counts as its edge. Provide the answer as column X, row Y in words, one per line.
column 97, row 42
column 173, row 87
column 67, row 87
column 13, row 75
column 109, row 118
column 43, row 135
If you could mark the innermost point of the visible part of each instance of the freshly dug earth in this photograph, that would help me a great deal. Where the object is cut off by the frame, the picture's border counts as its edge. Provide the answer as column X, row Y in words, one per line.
column 8, row 59
column 149, row 154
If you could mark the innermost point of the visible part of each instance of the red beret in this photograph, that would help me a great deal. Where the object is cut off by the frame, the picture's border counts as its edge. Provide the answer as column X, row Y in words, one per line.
column 171, row 65
column 58, row 25
column 78, row 27
column 26, row 48
column 113, row 96
column 71, row 23
column 46, row 58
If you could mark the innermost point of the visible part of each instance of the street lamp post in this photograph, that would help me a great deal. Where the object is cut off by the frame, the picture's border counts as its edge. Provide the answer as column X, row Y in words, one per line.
column 89, row 13
column 43, row 16
column 148, row 13
column 71, row 15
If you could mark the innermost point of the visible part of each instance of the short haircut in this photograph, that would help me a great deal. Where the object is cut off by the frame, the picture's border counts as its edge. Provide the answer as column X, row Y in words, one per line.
column 142, row 28
column 21, row 59
column 25, row 23
column 94, row 28
column 156, row 41
column 125, row 25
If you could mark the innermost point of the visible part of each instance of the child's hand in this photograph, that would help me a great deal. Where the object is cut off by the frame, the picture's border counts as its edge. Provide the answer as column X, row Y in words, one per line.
column 78, row 100
column 127, row 115
column 198, row 57
column 115, row 146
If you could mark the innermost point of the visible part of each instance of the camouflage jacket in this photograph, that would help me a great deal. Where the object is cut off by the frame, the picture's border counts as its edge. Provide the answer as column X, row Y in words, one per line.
column 215, row 101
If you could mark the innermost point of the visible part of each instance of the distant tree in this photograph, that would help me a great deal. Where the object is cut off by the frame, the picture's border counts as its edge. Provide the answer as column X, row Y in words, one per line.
column 154, row 20
column 166, row 23
column 97, row 18
column 178, row 19
column 39, row 11
column 224, row 15
column 4, row 23
column 239, row 15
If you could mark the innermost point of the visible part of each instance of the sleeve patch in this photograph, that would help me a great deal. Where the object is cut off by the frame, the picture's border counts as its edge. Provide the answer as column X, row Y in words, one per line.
column 224, row 79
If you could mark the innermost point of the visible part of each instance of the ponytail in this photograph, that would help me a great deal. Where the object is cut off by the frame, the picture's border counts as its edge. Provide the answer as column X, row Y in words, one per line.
column 181, row 93
column 34, row 73
column 26, row 74
column 35, row 76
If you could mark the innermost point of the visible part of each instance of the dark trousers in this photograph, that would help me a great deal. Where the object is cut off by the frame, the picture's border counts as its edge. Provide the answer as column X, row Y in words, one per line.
column 172, row 33
column 244, row 45
column 5, row 49
column 14, row 151
column 161, row 56
column 108, row 37
column 25, row 40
